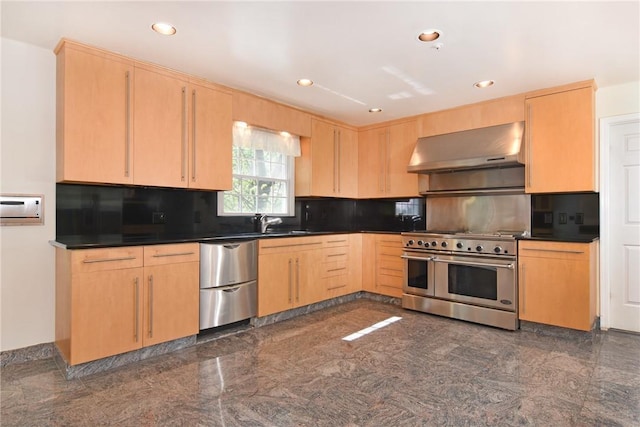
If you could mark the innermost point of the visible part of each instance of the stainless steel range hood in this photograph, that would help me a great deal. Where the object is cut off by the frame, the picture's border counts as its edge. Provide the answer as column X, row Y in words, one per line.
column 490, row 147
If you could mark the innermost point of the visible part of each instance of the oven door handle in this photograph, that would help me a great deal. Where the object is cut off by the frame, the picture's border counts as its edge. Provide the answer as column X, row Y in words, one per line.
column 478, row 264
column 415, row 258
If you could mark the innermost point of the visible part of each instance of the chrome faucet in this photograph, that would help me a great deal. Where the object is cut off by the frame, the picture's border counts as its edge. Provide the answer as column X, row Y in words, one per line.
column 265, row 222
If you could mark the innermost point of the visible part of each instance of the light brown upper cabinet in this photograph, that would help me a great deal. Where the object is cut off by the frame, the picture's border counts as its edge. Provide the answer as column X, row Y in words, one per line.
column 384, row 154
column 182, row 132
column 120, row 121
column 560, row 144
column 482, row 114
column 268, row 114
column 328, row 165
column 93, row 124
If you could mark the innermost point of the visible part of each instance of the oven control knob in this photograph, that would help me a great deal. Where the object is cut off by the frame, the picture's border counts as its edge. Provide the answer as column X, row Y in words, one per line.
column 459, row 245
column 479, row 248
column 443, row 244
column 420, row 242
column 434, row 243
column 497, row 249
column 410, row 242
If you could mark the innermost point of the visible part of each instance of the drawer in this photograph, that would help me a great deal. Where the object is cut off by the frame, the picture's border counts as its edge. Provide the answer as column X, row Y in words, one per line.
column 336, row 282
column 221, row 306
column 288, row 244
column 335, row 254
column 339, row 240
column 171, row 254
column 555, row 250
column 102, row 259
column 389, row 280
column 337, row 268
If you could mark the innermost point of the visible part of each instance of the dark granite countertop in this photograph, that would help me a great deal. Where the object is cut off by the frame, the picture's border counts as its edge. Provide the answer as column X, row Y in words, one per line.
column 117, row 240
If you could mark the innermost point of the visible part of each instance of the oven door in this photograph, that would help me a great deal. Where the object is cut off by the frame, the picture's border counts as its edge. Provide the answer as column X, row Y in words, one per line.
column 418, row 273
column 483, row 281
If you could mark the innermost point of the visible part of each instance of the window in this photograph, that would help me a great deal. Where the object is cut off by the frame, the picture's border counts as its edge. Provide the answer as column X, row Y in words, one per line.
column 263, row 173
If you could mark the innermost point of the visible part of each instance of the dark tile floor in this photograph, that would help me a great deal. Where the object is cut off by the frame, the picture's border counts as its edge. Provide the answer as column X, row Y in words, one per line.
column 421, row 370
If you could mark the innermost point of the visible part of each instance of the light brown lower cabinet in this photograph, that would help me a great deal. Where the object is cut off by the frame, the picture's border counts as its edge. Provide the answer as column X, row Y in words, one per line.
column 298, row 271
column 382, row 271
column 113, row 300
column 558, row 283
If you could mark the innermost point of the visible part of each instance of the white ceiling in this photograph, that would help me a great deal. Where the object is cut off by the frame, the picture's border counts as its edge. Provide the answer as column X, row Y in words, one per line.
column 359, row 54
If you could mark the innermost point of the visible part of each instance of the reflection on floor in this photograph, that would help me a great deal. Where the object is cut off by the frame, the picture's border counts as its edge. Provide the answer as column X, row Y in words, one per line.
column 420, row 370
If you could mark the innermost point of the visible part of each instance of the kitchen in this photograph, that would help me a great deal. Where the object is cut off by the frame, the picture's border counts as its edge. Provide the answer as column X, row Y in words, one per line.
column 609, row 101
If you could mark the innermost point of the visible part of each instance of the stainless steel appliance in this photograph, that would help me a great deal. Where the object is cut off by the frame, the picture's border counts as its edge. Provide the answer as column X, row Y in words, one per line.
column 462, row 275
column 18, row 209
column 228, row 282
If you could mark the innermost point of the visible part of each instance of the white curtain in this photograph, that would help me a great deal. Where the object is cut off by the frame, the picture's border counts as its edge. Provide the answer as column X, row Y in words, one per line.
column 263, row 139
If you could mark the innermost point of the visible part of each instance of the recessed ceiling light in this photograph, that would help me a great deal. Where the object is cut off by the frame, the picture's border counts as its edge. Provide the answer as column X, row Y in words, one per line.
column 164, row 28
column 429, row 35
column 375, row 110
column 484, row 83
column 304, row 82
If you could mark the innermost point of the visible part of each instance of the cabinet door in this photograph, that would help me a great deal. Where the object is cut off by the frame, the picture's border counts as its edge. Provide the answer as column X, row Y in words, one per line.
column 171, row 308
column 211, row 139
column 401, row 142
column 555, row 284
column 324, row 177
column 93, row 118
column 276, row 283
column 160, row 129
column 560, row 142
column 347, row 162
column 372, row 163
column 106, row 313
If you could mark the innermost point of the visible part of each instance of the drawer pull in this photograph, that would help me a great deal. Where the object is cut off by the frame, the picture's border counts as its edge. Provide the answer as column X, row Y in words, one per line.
column 331, row 255
column 91, row 261
column 553, row 250
column 173, row 254
column 336, row 269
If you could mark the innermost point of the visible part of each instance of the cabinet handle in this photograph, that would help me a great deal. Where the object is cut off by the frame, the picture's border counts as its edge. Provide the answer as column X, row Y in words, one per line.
column 91, row 261
column 381, row 154
column 528, row 143
column 387, row 166
column 332, row 255
column 297, row 281
column 193, row 132
column 553, row 250
column 336, row 269
column 127, row 121
column 335, row 160
column 184, row 133
column 290, row 281
column 172, row 254
column 522, row 288
column 339, row 160
column 151, row 306
column 136, row 311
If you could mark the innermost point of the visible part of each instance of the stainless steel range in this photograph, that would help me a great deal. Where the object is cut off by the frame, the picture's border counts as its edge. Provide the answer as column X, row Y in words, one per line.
column 462, row 275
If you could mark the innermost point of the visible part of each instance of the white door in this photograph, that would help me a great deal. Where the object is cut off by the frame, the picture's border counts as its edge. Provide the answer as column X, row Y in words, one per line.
column 622, row 206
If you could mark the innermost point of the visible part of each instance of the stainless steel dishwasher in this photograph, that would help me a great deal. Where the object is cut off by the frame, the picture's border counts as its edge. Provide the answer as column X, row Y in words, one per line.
column 228, row 282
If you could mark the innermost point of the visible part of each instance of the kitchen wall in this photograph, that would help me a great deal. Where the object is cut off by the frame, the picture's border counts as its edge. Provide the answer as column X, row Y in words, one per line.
column 27, row 165
column 618, row 100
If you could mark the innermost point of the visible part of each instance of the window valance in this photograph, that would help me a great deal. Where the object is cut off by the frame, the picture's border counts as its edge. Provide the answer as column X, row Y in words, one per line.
column 266, row 140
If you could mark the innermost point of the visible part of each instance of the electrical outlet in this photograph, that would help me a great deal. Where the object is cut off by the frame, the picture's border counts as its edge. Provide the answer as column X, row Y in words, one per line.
column 579, row 218
column 158, row 218
column 562, row 218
